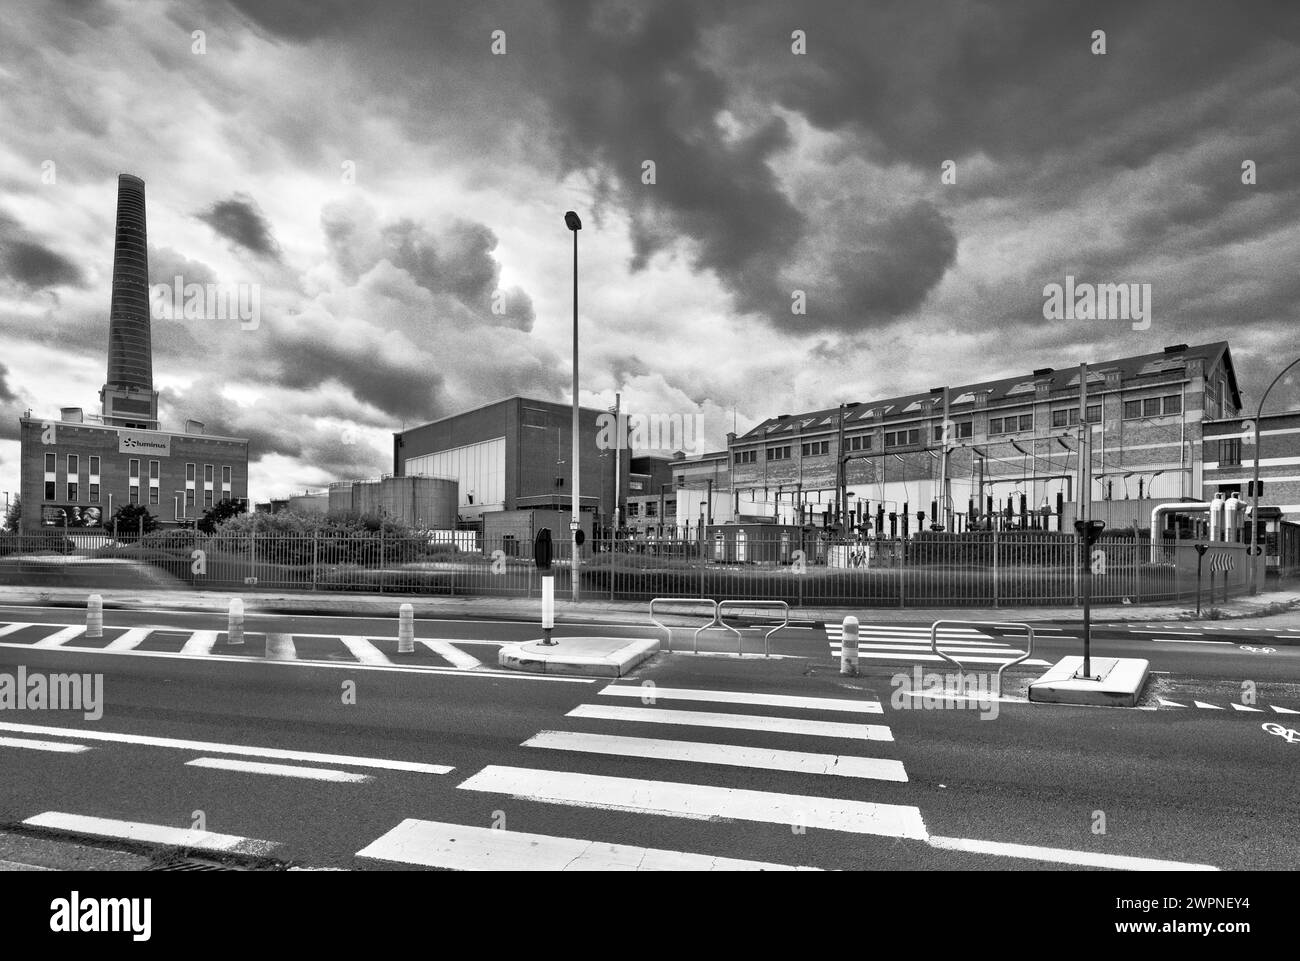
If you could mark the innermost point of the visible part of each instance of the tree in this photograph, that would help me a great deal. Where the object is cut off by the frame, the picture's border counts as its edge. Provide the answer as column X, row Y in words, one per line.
column 13, row 515
column 128, row 519
column 219, row 513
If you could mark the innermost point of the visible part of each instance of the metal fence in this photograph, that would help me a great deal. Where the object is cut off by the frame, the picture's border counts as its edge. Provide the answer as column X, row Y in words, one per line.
column 1007, row 569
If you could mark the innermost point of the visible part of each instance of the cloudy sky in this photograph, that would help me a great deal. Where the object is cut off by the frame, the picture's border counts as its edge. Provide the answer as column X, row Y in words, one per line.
column 394, row 188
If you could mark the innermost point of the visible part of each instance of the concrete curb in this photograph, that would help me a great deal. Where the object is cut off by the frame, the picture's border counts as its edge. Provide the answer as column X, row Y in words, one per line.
column 1120, row 683
column 578, row 655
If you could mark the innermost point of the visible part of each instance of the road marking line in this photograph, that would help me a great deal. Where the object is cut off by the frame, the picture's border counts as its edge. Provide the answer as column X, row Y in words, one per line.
column 453, row 654
column 1242, row 707
column 1164, row 703
column 1283, row 710
column 493, row 674
column 743, row 697
column 457, row 847
column 1064, row 855
column 283, row 770
column 1183, row 640
column 200, row 642
column 739, row 722
column 59, row 638
column 880, row 769
column 1209, row 707
column 12, row 629
column 132, row 638
column 1134, row 630
column 279, row 647
column 363, row 650
column 243, row 750
column 943, row 647
column 909, row 656
column 151, row 833
column 699, row 801
column 62, row 747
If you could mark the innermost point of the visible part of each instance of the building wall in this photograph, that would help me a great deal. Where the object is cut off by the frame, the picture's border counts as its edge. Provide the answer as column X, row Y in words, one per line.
column 87, row 440
column 1162, row 451
column 535, row 438
column 1230, row 460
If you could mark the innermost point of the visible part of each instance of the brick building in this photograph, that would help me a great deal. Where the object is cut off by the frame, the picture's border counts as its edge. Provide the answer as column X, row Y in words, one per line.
column 78, row 469
column 1012, row 447
column 515, row 454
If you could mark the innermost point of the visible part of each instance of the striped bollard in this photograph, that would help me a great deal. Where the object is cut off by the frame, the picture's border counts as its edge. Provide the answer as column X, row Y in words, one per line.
column 95, row 616
column 235, row 625
column 849, row 647
column 406, row 629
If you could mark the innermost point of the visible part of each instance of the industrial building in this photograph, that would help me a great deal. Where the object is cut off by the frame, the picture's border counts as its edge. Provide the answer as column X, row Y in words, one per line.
column 77, row 469
column 424, row 503
column 1011, row 455
column 515, row 454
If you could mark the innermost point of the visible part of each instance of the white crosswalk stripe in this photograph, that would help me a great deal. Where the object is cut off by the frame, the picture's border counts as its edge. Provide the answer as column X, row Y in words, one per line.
column 739, row 722
column 59, row 638
column 893, row 642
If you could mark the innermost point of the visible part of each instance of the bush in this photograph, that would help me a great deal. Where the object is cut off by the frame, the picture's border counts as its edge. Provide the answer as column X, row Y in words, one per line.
column 44, row 541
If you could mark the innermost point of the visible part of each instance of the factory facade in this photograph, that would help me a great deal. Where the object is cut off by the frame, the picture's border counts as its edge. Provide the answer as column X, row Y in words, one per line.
column 78, row 468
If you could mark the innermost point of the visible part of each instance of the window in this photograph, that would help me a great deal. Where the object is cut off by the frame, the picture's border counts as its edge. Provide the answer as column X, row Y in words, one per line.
column 1069, row 416
column 49, row 490
column 816, row 447
column 189, row 498
column 207, row 473
column 633, row 509
column 779, row 453
column 189, row 473
column 960, row 429
column 903, row 438
column 1011, row 423
column 1132, row 408
column 1151, row 407
column 94, row 493
column 1230, row 452
column 133, row 470
column 746, row 456
column 225, row 477
column 94, row 465
column 133, row 481
column 861, row 442
column 651, row 509
column 207, row 497
column 51, row 463
column 1173, row 404
column 72, row 466
column 153, row 493
column 154, row 474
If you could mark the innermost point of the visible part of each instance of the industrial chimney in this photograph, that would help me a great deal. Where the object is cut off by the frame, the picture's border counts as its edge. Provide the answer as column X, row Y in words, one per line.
column 128, row 397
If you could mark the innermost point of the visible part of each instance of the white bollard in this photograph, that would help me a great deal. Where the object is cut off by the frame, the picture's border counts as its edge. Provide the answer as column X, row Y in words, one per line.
column 548, row 609
column 95, row 616
column 235, row 626
column 406, row 629
column 849, row 647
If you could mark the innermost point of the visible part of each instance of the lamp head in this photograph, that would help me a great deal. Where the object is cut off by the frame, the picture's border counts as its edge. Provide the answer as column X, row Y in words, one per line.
column 572, row 221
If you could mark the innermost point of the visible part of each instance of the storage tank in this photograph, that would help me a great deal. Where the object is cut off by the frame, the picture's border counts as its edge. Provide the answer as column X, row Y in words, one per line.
column 309, row 503
column 365, row 498
column 340, row 497
column 428, row 503
column 1234, row 517
column 1216, row 518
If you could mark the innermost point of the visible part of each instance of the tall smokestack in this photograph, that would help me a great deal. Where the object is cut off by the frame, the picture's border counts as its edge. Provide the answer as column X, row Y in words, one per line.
column 130, row 360
column 128, row 396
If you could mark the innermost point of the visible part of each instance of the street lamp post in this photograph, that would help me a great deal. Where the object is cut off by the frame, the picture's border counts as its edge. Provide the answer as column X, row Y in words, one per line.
column 574, row 223
column 1254, row 487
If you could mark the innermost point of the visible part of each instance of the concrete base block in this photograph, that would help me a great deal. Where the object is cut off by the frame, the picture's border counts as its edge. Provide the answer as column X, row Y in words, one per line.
column 589, row 656
column 1116, row 682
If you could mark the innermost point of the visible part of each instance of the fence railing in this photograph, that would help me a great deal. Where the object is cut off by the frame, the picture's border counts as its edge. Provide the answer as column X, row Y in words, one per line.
column 802, row 569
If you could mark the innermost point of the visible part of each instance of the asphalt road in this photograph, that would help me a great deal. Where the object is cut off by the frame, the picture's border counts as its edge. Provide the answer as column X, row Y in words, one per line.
column 691, row 755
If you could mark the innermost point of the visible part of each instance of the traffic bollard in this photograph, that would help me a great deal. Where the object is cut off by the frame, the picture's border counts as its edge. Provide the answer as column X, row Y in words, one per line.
column 849, row 647
column 235, row 625
column 95, row 616
column 406, row 629
column 548, row 609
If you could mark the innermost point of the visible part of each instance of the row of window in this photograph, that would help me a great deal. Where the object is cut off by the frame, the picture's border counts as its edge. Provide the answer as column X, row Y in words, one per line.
column 73, row 486
column 1153, row 407
column 1006, row 424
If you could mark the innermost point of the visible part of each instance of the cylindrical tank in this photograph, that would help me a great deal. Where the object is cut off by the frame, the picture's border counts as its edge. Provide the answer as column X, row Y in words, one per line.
column 1216, row 518
column 426, row 503
column 1234, row 517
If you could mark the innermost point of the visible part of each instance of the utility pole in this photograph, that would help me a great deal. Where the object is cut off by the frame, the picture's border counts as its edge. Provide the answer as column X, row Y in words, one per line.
column 945, row 492
column 574, row 223
column 840, row 479
column 618, row 463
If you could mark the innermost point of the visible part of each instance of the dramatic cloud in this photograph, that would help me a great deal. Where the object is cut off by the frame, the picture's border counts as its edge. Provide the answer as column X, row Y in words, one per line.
column 241, row 221
column 29, row 263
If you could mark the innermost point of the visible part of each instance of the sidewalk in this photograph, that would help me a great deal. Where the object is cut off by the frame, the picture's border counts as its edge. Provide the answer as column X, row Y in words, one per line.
column 1272, row 610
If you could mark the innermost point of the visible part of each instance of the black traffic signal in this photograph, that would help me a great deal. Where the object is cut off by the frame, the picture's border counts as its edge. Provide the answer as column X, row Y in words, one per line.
column 542, row 549
column 1090, row 530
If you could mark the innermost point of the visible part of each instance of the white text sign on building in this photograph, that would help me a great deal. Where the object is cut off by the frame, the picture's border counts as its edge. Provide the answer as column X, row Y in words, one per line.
column 144, row 442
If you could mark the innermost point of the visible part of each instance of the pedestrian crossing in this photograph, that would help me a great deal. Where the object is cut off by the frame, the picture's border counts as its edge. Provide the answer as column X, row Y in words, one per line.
column 840, row 741
column 908, row 643
column 454, row 654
